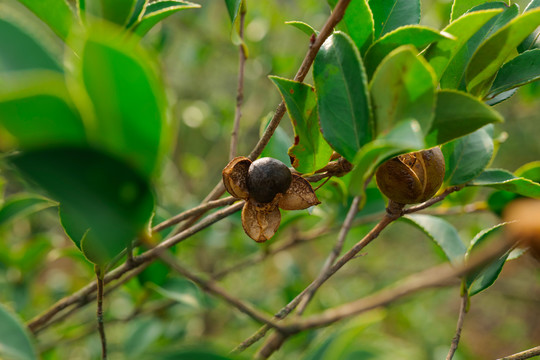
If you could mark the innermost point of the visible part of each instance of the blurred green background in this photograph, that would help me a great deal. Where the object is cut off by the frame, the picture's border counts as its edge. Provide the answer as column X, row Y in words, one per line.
column 38, row 265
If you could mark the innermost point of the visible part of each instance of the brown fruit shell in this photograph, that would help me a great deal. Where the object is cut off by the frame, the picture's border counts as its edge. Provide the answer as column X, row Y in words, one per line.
column 260, row 221
column 299, row 196
column 235, row 177
column 412, row 178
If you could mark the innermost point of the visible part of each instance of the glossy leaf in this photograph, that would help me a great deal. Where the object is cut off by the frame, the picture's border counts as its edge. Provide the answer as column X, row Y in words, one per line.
column 417, row 36
column 467, row 156
column 137, row 13
column 233, row 8
column 118, row 11
column 505, row 180
column 529, row 171
column 342, row 96
column 310, row 151
column 460, row 7
column 15, row 341
column 55, row 13
column 21, row 205
column 532, row 41
column 454, row 75
column 159, row 10
column 521, row 70
column 97, row 192
column 303, row 27
column 442, row 53
column 458, row 114
column 483, row 278
column 128, row 99
column 442, row 233
column 357, row 23
column 388, row 15
column 37, row 111
column 404, row 137
column 24, row 50
column 403, row 87
column 493, row 52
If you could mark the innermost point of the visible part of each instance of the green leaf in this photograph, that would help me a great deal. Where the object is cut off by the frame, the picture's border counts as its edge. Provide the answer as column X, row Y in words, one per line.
column 357, row 23
column 454, row 75
column 279, row 143
column 21, row 205
column 310, row 151
column 442, row 53
column 489, row 57
column 529, row 171
column 521, row 70
column 118, row 11
column 303, row 27
column 137, row 13
column 233, row 8
column 159, row 10
column 531, row 42
column 460, row 7
column 205, row 353
column 342, row 96
column 467, row 156
column 15, row 341
column 181, row 290
column 36, row 110
column 142, row 333
column 25, row 49
column 98, row 192
column 388, row 15
column 403, row 87
column 406, row 136
column 442, row 233
column 458, row 114
column 415, row 35
column 55, row 13
column 483, row 278
column 505, row 180
column 128, row 99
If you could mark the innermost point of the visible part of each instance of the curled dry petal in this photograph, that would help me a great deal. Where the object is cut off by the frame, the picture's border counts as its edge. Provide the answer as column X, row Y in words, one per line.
column 260, row 221
column 235, row 176
column 300, row 195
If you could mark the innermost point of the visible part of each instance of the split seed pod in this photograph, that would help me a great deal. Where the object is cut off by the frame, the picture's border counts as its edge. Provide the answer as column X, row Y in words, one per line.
column 412, row 178
column 267, row 185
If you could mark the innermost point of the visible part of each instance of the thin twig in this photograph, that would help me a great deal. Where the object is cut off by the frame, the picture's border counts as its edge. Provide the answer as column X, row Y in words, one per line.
column 211, row 287
column 85, row 300
column 461, row 318
column 193, row 212
column 433, row 200
column 336, row 250
column 326, row 31
column 240, row 91
column 43, row 319
column 527, row 354
column 438, row 276
column 258, row 257
column 99, row 312
column 392, row 214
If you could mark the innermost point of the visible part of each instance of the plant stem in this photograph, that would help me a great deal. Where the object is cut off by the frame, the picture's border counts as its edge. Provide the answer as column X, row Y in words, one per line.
column 527, row 354
column 240, row 91
column 461, row 318
column 338, row 247
column 99, row 312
